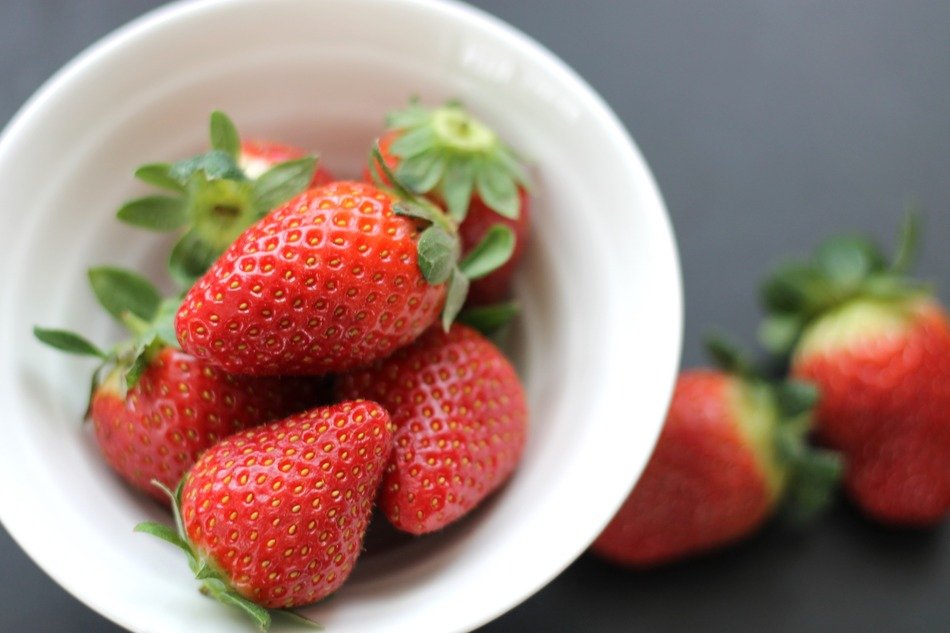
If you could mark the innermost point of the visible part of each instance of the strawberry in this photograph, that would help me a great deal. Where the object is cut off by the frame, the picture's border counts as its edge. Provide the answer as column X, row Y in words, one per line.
column 333, row 279
column 730, row 452
column 212, row 198
column 461, row 422
column 158, row 408
column 257, row 157
column 274, row 517
column 878, row 346
column 461, row 164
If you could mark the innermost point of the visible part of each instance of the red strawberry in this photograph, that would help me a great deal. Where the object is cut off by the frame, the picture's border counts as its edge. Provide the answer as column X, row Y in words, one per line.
column 178, row 408
column 462, row 165
column 461, row 421
column 274, row 517
column 730, row 451
column 326, row 282
column 212, row 198
column 878, row 347
column 257, row 157
column 158, row 408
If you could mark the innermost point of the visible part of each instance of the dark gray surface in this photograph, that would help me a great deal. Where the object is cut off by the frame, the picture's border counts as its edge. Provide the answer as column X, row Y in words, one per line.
column 768, row 124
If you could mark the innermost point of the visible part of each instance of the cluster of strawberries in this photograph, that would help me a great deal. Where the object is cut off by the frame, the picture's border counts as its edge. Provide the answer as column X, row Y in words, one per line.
column 868, row 354
column 310, row 367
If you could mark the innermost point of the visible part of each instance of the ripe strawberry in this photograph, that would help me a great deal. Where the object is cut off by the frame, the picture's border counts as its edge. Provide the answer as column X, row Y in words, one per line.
column 178, row 408
column 274, row 517
column 462, row 165
column 461, row 421
column 878, row 347
column 731, row 450
column 335, row 278
column 215, row 196
column 257, row 157
column 158, row 408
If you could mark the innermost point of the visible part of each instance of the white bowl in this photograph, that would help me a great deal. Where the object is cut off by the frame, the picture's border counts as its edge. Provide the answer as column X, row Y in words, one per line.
column 598, row 345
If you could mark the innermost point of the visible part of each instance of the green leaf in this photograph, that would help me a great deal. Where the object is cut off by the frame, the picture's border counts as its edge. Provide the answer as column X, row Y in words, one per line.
column 421, row 173
column 282, row 182
column 190, row 259
column 418, row 211
column 727, row 356
column 492, row 252
column 67, row 342
column 908, row 241
column 205, row 571
column 256, row 612
column 848, row 260
column 489, row 319
column 795, row 398
column 224, row 134
column 120, row 291
column 163, row 532
column 514, row 166
column 296, row 618
column 156, row 213
column 798, row 289
column 454, row 297
column 159, row 175
column 497, row 189
column 411, row 116
column 813, row 479
column 164, row 321
column 437, row 254
column 144, row 352
column 457, row 186
column 413, row 143
column 215, row 165
column 779, row 332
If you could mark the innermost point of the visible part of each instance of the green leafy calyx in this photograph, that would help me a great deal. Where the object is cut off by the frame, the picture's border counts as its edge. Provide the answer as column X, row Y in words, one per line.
column 211, row 198
column 451, row 154
column 776, row 417
column 841, row 270
column 438, row 247
column 134, row 302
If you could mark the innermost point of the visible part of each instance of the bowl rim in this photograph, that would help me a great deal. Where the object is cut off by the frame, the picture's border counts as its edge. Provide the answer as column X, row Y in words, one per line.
column 85, row 61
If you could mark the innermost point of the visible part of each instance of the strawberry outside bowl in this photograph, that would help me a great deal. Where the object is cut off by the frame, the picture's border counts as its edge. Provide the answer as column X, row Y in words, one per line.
column 597, row 344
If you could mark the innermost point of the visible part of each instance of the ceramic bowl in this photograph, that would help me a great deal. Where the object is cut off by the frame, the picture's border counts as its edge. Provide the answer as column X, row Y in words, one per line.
column 597, row 345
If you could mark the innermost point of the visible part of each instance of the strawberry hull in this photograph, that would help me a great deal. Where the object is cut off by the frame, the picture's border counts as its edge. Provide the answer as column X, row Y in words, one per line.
column 324, row 283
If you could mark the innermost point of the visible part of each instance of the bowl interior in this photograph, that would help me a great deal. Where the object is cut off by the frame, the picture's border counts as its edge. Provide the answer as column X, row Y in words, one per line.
column 597, row 344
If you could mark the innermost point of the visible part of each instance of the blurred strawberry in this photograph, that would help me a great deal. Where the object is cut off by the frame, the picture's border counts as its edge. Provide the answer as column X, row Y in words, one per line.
column 730, row 453
column 878, row 346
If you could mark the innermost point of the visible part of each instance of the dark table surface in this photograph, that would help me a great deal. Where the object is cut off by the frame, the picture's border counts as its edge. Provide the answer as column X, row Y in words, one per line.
column 767, row 125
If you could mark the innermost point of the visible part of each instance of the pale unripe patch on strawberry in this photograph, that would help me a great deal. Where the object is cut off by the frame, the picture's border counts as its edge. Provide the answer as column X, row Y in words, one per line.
column 859, row 321
column 756, row 419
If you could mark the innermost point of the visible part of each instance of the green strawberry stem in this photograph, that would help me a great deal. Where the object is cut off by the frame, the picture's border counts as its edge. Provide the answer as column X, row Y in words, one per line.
column 448, row 152
column 212, row 200
column 213, row 583
column 439, row 248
